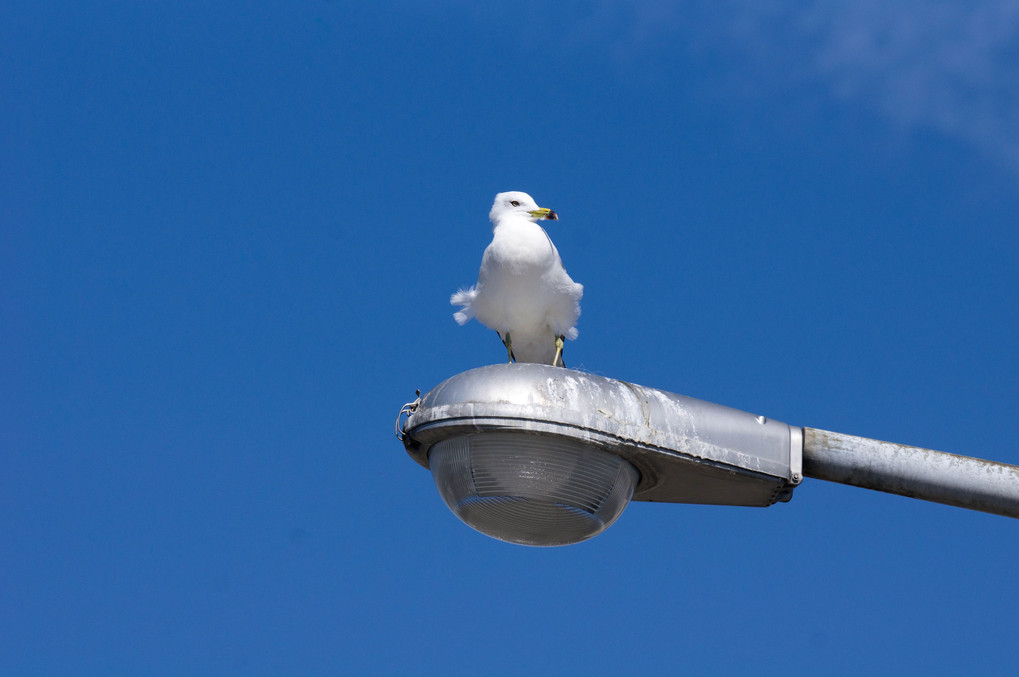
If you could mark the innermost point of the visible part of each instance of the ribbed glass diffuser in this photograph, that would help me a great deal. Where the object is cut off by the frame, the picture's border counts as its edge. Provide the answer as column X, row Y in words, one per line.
column 531, row 489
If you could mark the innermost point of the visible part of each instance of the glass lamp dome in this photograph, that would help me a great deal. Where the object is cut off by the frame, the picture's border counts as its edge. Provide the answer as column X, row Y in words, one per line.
column 530, row 489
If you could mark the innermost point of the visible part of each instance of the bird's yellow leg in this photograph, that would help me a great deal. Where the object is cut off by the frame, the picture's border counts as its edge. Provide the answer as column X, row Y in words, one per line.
column 508, row 342
column 557, row 361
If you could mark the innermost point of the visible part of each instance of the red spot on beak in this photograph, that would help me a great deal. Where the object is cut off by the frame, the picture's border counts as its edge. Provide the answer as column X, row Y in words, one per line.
column 552, row 216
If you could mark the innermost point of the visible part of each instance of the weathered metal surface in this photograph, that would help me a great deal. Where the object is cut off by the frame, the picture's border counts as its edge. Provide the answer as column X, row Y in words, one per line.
column 686, row 450
column 929, row 475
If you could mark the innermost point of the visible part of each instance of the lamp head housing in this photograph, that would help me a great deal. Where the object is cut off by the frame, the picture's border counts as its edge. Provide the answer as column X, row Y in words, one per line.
column 542, row 455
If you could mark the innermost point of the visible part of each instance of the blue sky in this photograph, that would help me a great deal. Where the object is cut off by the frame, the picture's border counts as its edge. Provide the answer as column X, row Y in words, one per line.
column 228, row 235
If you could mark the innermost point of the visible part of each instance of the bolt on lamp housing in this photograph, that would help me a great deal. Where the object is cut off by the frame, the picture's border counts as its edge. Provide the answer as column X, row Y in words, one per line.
column 542, row 455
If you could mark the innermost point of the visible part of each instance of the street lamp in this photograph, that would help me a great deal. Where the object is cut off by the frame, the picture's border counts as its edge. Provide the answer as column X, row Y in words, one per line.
column 541, row 455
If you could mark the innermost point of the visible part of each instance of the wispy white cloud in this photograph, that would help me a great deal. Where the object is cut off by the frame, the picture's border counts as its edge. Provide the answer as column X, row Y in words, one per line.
column 950, row 66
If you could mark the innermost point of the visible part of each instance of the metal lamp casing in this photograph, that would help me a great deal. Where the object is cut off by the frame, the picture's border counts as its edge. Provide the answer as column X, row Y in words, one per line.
column 684, row 450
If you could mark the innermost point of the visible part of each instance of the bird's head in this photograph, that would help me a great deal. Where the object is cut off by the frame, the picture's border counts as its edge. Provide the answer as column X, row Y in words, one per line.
column 521, row 205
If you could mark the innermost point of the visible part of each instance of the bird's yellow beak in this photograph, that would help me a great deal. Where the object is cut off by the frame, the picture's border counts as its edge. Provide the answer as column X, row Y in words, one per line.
column 544, row 213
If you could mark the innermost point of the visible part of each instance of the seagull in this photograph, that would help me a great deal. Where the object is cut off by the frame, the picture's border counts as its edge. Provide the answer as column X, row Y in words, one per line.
column 523, row 291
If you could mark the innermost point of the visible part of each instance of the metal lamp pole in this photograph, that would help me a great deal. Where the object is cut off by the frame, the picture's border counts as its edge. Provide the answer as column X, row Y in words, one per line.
column 926, row 474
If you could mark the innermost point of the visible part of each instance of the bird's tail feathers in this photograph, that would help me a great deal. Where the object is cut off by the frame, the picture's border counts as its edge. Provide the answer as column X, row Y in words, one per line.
column 464, row 298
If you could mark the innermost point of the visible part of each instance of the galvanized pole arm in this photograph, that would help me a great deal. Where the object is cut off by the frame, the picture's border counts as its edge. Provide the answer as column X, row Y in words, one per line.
column 926, row 474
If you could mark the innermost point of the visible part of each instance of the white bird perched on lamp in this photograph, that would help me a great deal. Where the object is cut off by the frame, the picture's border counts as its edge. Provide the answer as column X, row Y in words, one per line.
column 523, row 291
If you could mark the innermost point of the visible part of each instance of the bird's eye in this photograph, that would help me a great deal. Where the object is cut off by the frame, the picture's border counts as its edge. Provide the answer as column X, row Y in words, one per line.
column 514, row 203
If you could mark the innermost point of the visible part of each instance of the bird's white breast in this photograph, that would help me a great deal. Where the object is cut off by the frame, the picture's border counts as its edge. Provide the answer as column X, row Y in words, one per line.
column 520, row 248
column 521, row 280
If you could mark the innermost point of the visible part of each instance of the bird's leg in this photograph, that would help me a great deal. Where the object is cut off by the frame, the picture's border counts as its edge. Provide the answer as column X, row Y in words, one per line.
column 508, row 342
column 557, row 361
